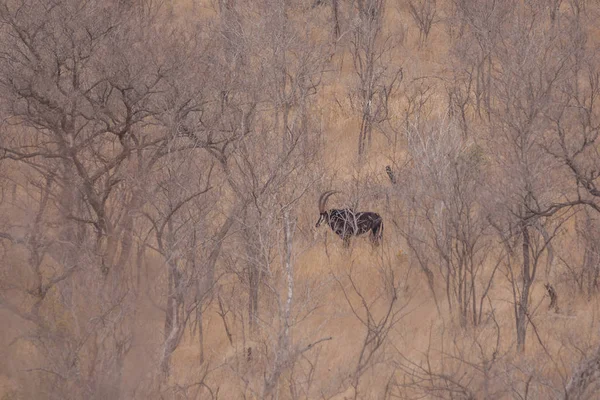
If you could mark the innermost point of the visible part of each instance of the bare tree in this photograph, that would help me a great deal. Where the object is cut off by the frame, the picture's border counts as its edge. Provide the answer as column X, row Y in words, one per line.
column 447, row 225
column 336, row 16
column 517, row 126
column 95, row 113
column 470, row 365
column 423, row 13
column 179, row 214
column 574, row 120
column 76, row 95
column 378, row 78
column 477, row 27
column 290, row 79
column 160, row 165
column 378, row 314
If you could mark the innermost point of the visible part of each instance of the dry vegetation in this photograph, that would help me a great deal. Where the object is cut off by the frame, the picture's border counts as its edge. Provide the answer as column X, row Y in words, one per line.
column 160, row 165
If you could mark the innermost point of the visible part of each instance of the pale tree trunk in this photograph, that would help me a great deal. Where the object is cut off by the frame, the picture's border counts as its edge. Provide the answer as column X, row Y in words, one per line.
column 175, row 320
column 283, row 351
column 522, row 316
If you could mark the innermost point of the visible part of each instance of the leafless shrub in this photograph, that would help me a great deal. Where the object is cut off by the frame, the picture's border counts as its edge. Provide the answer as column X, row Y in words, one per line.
column 377, row 314
column 447, row 229
column 461, row 366
column 378, row 78
column 423, row 13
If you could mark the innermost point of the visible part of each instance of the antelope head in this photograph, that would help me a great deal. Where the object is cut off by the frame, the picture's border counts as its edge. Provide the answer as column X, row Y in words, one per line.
column 323, row 214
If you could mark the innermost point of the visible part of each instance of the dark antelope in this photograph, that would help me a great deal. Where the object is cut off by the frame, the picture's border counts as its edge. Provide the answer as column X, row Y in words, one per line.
column 347, row 223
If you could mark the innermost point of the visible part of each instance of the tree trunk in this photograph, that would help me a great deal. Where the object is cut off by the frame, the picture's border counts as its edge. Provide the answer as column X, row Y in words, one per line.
column 523, row 306
column 173, row 317
column 336, row 19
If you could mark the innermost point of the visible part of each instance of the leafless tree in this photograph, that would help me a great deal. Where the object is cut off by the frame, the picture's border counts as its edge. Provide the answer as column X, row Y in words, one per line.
column 517, row 126
column 477, row 27
column 160, row 165
column 574, row 120
column 581, row 266
column 177, row 221
column 95, row 113
column 377, row 76
column 336, row 16
column 76, row 96
column 378, row 315
column 424, row 14
column 469, row 365
column 290, row 78
column 447, row 225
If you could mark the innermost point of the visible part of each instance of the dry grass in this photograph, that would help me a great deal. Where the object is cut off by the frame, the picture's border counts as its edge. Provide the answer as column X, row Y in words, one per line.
column 554, row 346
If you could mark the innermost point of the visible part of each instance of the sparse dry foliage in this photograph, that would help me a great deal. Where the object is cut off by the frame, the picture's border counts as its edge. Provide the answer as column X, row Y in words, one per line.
column 160, row 163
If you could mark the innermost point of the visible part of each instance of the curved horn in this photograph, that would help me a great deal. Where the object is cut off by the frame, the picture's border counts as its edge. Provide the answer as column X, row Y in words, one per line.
column 323, row 199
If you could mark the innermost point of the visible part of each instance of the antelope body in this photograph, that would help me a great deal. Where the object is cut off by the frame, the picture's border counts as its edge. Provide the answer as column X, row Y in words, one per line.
column 346, row 222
